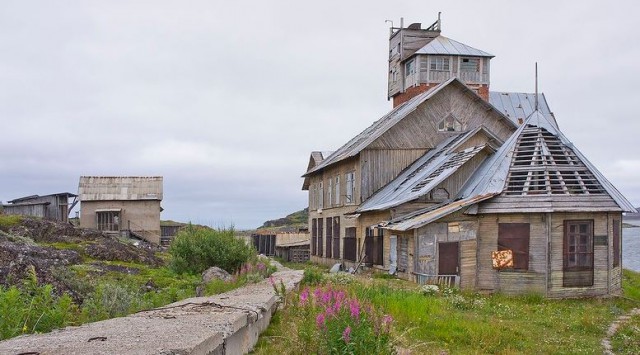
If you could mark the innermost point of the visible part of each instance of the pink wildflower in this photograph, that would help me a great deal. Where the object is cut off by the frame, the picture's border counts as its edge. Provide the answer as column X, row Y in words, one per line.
column 326, row 297
column 261, row 266
column 304, row 296
column 354, row 307
column 273, row 282
column 386, row 322
column 317, row 293
column 346, row 335
column 320, row 320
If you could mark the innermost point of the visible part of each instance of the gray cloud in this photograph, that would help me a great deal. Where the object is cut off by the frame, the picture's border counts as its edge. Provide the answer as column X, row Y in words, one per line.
column 227, row 99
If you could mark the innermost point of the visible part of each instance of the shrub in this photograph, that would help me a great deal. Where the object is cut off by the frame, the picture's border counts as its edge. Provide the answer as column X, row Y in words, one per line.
column 312, row 276
column 195, row 249
column 33, row 309
column 110, row 300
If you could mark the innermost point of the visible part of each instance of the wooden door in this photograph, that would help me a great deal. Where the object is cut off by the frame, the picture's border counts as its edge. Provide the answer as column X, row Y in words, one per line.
column 448, row 258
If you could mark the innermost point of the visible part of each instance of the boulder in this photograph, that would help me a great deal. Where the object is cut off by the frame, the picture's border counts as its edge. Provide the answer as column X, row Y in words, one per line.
column 215, row 272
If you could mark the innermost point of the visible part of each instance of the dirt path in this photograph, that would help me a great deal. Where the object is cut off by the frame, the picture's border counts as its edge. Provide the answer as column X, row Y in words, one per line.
column 613, row 328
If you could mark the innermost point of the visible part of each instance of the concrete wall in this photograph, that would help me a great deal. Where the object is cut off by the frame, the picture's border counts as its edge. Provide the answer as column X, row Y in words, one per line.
column 143, row 215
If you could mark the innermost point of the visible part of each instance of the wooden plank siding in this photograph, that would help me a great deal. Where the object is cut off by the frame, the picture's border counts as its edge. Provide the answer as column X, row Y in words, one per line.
column 549, row 203
column 532, row 280
column 379, row 167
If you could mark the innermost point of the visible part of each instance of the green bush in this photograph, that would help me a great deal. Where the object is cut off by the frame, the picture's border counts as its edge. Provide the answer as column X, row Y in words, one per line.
column 196, row 249
column 312, row 276
column 110, row 300
column 33, row 309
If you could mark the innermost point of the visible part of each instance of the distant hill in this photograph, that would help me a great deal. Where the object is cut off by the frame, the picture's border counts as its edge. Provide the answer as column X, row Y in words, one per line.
column 292, row 222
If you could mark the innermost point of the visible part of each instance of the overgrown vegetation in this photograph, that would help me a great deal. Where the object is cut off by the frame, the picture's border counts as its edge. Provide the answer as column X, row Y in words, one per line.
column 195, row 249
column 432, row 321
column 7, row 221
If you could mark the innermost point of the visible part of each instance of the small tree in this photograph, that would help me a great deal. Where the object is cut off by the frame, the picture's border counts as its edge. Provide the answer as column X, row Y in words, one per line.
column 195, row 249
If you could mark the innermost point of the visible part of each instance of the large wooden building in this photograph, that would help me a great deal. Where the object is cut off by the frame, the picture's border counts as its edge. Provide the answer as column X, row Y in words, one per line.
column 462, row 185
column 53, row 207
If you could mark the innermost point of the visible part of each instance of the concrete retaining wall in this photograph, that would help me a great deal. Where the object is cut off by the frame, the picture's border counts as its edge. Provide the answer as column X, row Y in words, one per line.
column 229, row 323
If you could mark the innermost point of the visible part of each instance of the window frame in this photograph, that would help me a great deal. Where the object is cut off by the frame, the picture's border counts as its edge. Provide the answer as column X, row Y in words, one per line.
column 410, row 68
column 440, row 63
column 573, row 272
column 337, row 190
column 457, row 125
column 350, row 192
column 510, row 242
column 320, row 196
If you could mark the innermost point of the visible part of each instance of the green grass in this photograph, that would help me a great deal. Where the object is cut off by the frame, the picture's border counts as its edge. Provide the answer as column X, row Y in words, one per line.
column 469, row 323
column 7, row 221
column 627, row 338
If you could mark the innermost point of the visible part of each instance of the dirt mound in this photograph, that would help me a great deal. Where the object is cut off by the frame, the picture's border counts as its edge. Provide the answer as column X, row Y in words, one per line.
column 20, row 250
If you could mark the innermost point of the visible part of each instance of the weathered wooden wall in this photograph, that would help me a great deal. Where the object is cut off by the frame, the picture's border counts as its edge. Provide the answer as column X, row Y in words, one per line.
column 508, row 281
column 378, row 167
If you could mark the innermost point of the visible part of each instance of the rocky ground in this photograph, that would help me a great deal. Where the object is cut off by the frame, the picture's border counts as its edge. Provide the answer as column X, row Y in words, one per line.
column 51, row 247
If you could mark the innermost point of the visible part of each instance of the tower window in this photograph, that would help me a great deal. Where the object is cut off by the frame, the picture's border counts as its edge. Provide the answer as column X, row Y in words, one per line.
column 410, row 68
column 470, row 65
column 439, row 63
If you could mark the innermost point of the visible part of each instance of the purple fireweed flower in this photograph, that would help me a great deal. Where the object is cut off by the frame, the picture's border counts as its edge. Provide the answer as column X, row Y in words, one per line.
column 304, row 296
column 337, row 306
column 326, row 297
column 354, row 308
column 339, row 296
column 272, row 281
column 386, row 322
column 261, row 266
column 346, row 335
column 320, row 320
column 317, row 293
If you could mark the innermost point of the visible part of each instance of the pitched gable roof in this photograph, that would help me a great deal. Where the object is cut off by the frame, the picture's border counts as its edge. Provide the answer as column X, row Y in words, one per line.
column 354, row 146
column 442, row 45
column 316, row 158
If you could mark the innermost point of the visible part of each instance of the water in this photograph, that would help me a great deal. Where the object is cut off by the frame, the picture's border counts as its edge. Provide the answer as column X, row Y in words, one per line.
column 631, row 248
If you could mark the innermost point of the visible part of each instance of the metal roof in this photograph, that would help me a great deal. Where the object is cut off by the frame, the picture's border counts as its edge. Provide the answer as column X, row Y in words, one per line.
column 442, row 45
column 33, row 197
column 519, row 105
column 424, row 174
column 490, row 179
column 379, row 127
column 120, row 188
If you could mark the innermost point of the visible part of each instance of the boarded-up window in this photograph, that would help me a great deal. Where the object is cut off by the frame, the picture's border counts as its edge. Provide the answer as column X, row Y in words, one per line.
column 320, row 197
column 329, row 239
column 515, row 237
column 337, row 191
column 578, row 253
column 350, row 244
column 320, row 234
column 616, row 242
column 314, row 236
column 330, row 193
column 403, row 253
column 336, row 238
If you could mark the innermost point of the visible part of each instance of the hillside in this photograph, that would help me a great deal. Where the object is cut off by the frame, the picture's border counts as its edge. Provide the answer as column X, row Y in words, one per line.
column 292, row 222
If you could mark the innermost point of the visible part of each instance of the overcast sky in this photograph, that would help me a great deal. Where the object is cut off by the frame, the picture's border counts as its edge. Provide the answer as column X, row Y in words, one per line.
column 226, row 99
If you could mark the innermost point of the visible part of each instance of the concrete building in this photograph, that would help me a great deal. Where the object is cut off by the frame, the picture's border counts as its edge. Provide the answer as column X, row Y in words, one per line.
column 122, row 204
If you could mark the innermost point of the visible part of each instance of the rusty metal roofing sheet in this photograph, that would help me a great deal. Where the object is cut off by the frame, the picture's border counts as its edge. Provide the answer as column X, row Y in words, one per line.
column 423, row 175
column 120, row 188
column 442, row 45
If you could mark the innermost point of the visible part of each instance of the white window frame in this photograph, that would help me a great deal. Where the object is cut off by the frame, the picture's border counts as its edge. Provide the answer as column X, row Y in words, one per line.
column 410, row 68
column 350, row 187
column 439, row 63
column 337, row 190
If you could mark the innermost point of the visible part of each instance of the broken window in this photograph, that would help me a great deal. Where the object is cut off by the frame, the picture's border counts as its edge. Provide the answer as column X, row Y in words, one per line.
column 515, row 237
column 410, row 68
column 439, row 64
column 450, row 124
column 470, row 64
column 108, row 221
column 578, row 253
column 349, row 194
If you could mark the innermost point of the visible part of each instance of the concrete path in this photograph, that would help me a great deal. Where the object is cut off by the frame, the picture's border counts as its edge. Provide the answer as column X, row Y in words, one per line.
column 613, row 328
column 229, row 323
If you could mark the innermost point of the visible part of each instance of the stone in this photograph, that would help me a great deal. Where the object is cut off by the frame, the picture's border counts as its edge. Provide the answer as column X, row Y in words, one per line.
column 335, row 268
column 215, row 272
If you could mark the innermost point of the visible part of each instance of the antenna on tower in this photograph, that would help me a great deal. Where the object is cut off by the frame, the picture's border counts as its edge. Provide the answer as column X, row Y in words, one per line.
column 536, row 108
column 439, row 21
